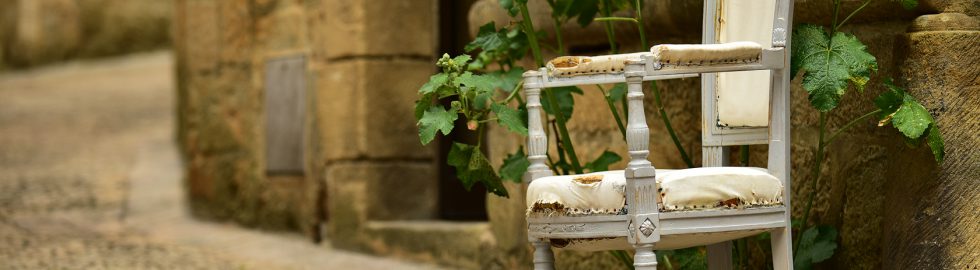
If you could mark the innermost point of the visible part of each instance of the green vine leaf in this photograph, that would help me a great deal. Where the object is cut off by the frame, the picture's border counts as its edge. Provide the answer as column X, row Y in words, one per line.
column 564, row 10
column 816, row 245
column 435, row 81
column 515, row 165
column 566, row 103
column 829, row 63
column 472, row 167
column 507, row 81
column 478, row 89
column 477, row 83
column 422, row 105
column 587, row 12
column 435, row 119
column 487, row 38
column 502, row 46
column 618, row 92
column 509, row 118
column 689, row 258
column 620, row 4
column 602, row 162
column 889, row 101
column 936, row 144
column 912, row 119
column 510, row 7
column 462, row 60
column 910, row 4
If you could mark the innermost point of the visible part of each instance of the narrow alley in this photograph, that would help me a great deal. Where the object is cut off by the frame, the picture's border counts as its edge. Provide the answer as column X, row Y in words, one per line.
column 90, row 178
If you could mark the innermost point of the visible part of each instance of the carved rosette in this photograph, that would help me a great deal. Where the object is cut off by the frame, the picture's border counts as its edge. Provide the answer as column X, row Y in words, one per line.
column 779, row 37
column 647, row 227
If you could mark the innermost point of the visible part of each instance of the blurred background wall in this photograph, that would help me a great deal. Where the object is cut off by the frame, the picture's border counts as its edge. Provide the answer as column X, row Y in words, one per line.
column 34, row 32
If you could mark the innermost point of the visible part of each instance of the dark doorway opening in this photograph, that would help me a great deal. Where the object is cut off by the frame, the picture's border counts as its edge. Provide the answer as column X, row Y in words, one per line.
column 455, row 203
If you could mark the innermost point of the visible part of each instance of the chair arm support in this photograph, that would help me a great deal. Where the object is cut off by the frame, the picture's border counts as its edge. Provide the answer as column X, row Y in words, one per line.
column 537, row 140
column 641, row 183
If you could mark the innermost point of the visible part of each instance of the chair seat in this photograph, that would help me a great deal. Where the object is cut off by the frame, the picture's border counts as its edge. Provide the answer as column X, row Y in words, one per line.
column 603, row 193
column 666, row 241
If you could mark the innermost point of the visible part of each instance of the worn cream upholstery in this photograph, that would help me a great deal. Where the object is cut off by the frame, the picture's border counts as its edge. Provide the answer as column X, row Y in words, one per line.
column 567, row 66
column 707, row 54
column 680, row 190
column 743, row 97
column 667, row 54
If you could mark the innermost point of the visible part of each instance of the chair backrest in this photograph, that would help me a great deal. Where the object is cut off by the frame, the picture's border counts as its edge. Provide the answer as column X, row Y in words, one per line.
column 734, row 105
column 749, row 107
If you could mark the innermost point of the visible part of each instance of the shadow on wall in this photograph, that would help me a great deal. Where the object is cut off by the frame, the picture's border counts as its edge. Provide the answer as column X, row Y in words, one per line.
column 35, row 32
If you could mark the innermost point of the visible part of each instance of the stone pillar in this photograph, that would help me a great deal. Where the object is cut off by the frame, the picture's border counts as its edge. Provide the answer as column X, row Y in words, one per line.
column 932, row 220
column 368, row 60
column 221, row 50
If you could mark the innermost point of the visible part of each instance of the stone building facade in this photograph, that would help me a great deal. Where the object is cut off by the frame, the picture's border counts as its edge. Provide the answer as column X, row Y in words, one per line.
column 329, row 85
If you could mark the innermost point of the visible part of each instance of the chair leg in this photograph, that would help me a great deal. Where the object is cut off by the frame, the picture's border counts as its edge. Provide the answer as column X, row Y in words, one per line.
column 645, row 258
column 544, row 259
column 782, row 249
column 720, row 256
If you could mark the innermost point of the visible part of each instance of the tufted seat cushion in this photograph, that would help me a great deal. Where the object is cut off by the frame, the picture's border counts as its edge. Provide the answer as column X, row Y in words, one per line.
column 680, row 190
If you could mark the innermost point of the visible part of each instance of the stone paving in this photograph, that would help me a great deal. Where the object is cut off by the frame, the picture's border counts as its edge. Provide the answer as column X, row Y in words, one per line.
column 90, row 179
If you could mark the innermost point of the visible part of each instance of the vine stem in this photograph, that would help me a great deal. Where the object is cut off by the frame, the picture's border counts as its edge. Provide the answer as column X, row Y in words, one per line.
column 820, row 146
column 849, row 124
column 612, row 108
column 532, row 39
column 479, row 137
column 549, row 96
column 558, row 37
column 670, row 127
column 610, row 31
column 638, row 19
column 833, row 28
column 837, row 26
column 612, row 19
column 821, row 151
column 560, row 147
column 638, row 5
column 513, row 92
column 816, row 177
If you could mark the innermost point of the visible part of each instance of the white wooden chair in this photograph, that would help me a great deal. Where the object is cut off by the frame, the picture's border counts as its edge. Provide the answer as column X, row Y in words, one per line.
column 646, row 209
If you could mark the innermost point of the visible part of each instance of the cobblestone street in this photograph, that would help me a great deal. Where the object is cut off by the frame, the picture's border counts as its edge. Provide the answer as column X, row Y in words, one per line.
column 90, row 178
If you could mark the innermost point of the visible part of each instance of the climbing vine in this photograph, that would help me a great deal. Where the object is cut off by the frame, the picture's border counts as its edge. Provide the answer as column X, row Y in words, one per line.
column 830, row 61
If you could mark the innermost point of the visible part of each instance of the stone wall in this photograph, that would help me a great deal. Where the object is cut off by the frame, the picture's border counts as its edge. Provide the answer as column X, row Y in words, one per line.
column 362, row 160
column 221, row 50
column 932, row 208
column 34, row 32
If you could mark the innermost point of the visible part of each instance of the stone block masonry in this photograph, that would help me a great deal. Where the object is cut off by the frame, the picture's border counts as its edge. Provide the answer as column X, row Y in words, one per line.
column 365, row 108
column 368, row 60
column 363, row 162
